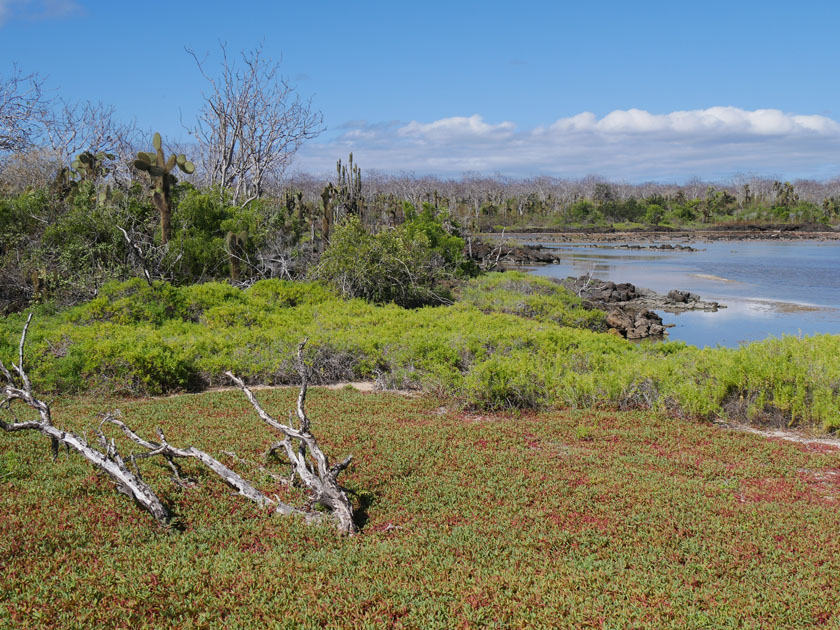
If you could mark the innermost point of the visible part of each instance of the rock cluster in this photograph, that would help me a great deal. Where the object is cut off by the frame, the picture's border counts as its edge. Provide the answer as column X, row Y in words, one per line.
column 635, row 324
column 487, row 254
column 608, row 292
column 628, row 307
column 663, row 246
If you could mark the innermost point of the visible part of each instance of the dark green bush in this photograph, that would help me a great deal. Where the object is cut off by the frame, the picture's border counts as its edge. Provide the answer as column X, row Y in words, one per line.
column 402, row 265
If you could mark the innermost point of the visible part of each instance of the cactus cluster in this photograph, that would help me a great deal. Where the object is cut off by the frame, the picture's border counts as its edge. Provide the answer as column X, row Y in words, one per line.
column 160, row 169
column 91, row 166
column 350, row 187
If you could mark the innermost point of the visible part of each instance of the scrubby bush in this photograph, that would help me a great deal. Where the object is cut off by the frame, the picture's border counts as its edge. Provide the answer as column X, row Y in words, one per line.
column 533, row 297
column 496, row 348
column 409, row 265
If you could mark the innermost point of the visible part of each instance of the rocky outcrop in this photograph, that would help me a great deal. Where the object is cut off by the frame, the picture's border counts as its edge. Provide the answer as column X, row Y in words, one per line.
column 662, row 246
column 490, row 255
column 635, row 323
column 624, row 294
column 630, row 308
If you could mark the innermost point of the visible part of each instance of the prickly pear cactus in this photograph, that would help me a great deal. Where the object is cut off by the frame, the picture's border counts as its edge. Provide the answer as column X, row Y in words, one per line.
column 235, row 245
column 160, row 170
column 92, row 166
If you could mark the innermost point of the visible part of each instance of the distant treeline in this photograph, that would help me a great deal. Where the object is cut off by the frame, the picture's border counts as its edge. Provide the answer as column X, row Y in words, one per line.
column 67, row 229
column 485, row 203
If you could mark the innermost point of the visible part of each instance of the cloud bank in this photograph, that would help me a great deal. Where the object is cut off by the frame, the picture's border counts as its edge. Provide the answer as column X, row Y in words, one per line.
column 631, row 144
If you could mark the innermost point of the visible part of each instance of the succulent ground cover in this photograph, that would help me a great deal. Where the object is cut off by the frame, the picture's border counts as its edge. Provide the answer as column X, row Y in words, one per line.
column 561, row 519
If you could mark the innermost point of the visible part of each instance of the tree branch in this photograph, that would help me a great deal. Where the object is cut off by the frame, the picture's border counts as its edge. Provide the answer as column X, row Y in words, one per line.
column 302, row 448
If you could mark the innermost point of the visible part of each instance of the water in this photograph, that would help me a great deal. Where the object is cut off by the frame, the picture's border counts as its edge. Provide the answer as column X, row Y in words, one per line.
column 770, row 287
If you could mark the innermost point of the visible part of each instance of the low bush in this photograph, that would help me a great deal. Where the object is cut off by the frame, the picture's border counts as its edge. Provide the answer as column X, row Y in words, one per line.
column 532, row 297
column 506, row 344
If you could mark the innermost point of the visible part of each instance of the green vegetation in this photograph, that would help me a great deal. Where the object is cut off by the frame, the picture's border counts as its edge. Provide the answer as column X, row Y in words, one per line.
column 409, row 265
column 498, row 521
column 609, row 206
column 584, row 495
column 506, row 344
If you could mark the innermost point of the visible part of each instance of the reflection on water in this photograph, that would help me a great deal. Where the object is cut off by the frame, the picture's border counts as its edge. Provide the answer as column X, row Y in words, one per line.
column 770, row 288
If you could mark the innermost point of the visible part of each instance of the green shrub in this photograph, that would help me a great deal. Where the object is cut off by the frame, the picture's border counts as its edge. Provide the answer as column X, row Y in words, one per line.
column 530, row 296
column 502, row 346
column 135, row 301
column 396, row 265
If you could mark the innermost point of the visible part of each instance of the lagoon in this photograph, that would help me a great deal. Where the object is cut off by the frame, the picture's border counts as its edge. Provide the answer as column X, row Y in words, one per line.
column 770, row 288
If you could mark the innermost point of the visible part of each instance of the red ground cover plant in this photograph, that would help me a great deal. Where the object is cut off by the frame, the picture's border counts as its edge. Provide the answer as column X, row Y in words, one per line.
column 553, row 520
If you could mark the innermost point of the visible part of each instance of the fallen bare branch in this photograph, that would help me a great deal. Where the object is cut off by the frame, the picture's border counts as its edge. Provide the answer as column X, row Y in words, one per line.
column 108, row 459
column 318, row 476
column 309, row 462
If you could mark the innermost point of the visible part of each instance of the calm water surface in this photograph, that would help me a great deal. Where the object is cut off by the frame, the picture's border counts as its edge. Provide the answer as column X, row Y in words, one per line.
column 770, row 288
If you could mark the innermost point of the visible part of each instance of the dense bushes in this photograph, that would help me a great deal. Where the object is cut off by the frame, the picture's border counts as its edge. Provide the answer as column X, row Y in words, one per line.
column 64, row 247
column 532, row 297
column 409, row 265
column 490, row 351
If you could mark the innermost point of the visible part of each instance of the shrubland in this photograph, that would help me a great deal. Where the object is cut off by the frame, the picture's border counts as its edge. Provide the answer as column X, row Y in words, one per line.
column 520, row 516
column 509, row 341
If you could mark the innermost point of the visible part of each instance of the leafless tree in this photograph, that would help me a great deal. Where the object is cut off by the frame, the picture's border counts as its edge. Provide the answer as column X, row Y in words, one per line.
column 23, row 105
column 34, row 168
column 88, row 126
column 252, row 123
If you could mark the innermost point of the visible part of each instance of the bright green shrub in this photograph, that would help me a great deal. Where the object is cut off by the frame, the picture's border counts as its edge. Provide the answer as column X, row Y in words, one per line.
column 139, row 339
column 135, row 301
column 530, row 296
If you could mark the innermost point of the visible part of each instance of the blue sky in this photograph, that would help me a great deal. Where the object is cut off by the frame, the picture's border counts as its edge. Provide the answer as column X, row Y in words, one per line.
column 625, row 90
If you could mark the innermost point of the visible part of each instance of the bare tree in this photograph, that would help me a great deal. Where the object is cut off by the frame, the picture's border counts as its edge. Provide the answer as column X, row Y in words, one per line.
column 252, row 124
column 88, row 126
column 23, row 106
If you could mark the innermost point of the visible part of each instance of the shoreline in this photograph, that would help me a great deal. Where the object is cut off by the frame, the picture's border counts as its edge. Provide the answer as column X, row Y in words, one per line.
column 648, row 236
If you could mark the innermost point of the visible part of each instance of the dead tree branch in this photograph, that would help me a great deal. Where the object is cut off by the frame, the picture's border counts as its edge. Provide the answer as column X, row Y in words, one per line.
column 170, row 453
column 308, row 461
column 23, row 105
column 108, row 459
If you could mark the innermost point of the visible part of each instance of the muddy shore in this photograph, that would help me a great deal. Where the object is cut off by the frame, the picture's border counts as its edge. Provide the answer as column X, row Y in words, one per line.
column 781, row 231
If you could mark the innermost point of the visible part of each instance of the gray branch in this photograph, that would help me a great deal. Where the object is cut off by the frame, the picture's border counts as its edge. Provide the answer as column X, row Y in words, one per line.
column 309, row 462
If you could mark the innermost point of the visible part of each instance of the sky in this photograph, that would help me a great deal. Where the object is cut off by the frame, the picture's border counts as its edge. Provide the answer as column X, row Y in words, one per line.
column 632, row 91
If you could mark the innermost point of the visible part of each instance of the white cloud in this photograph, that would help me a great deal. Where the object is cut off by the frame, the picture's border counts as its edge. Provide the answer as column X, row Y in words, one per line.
column 37, row 9
column 447, row 129
column 629, row 144
column 715, row 121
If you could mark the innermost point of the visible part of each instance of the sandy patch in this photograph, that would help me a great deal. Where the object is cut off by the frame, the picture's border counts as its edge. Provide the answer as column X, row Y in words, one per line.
column 708, row 276
column 800, row 437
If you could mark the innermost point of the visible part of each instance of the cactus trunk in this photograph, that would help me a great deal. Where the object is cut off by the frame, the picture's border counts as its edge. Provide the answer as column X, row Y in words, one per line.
column 162, row 203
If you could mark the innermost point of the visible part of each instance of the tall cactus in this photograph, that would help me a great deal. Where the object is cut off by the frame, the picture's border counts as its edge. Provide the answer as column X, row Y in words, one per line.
column 349, row 187
column 160, row 171
column 235, row 246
